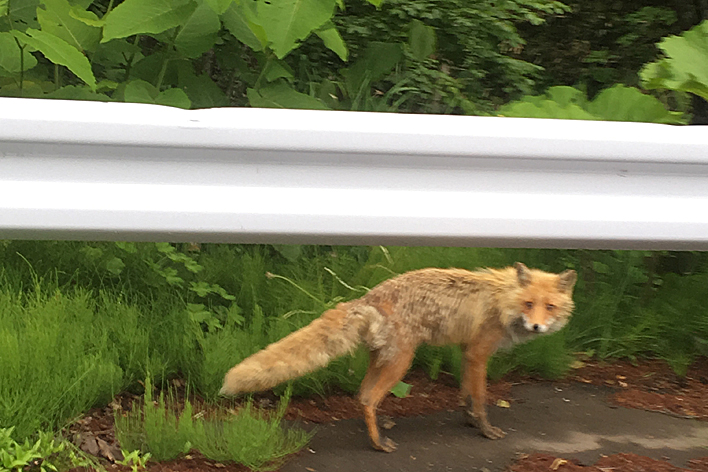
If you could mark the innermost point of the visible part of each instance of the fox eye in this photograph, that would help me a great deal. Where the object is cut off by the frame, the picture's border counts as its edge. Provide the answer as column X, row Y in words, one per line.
column 550, row 307
column 529, row 305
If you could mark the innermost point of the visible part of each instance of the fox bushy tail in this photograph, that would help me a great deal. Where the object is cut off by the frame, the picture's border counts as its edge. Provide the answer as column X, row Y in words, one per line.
column 333, row 334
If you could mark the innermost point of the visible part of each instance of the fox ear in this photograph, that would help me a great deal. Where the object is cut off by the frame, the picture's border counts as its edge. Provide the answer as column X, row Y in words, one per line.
column 523, row 273
column 567, row 280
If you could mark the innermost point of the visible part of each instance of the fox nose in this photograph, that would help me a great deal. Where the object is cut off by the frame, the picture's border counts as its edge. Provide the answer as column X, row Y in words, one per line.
column 536, row 327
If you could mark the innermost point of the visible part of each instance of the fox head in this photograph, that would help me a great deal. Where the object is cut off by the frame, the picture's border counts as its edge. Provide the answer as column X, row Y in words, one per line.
column 546, row 299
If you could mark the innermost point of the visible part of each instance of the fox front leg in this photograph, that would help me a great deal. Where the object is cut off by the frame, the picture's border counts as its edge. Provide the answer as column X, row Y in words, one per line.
column 474, row 389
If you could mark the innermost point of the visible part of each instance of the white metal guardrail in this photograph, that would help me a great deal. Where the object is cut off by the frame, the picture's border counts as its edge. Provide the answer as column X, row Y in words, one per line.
column 116, row 171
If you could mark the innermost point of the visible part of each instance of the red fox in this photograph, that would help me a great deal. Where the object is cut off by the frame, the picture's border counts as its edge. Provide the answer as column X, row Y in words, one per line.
column 481, row 311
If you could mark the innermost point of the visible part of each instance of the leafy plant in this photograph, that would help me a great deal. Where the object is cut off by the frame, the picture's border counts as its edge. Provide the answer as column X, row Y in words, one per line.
column 135, row 460
column 685, row 67
column 15, row 457
column 618, row 103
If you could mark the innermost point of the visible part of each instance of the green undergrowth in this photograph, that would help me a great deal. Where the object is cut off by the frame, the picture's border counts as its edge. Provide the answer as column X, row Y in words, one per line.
column 80, row 322
column 248, row 436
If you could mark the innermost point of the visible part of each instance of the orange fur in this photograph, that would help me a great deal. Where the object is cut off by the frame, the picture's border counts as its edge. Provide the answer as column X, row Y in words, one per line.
column 481, row 311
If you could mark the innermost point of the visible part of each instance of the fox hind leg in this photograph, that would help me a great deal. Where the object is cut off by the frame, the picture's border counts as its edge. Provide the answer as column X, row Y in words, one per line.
column 375, row 386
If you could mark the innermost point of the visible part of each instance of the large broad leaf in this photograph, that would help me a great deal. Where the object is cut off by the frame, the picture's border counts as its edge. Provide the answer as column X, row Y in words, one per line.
column 332, row 39
column 4, row 7
column 10, row 59
column 173, row 97
column 618, row 103
column 139, row 91
column 566, row 96
column 23, row 10
column 545, row 108
column 242, row 22
column 86, row 17
column 378, row 60
column 275, row 69
column 199, row 33
column 282, row 96
column 146, row 16
column 56, row 18
column 686, row 67
column 73, row 92
column 59, row 52
column 421, row 40
column 621, row 103
column 219, row 6
column 201, row 90
column 286, row 22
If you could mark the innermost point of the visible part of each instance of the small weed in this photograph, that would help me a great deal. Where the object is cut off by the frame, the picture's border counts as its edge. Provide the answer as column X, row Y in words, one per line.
column 250, row 437
column 135, row 460
column 15, row 456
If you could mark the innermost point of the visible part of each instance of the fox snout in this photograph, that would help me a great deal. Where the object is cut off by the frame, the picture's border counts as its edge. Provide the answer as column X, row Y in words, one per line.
column 534, row 327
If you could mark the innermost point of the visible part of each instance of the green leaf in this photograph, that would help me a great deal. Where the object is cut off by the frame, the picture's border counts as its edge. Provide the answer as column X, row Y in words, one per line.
column 55, row 18
column 199, row 33
column 241, row 21
column 286, row 22
column 401, row 390
column 544, row 109
column 378, row 60
column 282, row 96
column 686, row 67
column 201, row 288
column 219, row 6
column 74, row 92
column 30, row 89
column 376, row 3
column 24, row 10
column 566, row 96
column 4, row 8
column 139, row 91
column 621, row 103
column 201, row 89
column 128, row 247
column 10, row 55
column 618, row 103
column 291, row 252
column 146, row 17
column 59, row 52
column 86, row 17
column 275, row 69
column 422, row 40
column 165, row 248
column 115, row 265
column 173, row 97
column 332, row 40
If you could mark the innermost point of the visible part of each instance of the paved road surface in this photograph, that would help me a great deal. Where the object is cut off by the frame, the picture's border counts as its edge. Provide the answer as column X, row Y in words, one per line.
column 572, row 422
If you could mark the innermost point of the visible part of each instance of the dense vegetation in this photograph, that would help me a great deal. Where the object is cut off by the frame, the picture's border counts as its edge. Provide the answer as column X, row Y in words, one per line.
column 431, row 56
column 80, row 322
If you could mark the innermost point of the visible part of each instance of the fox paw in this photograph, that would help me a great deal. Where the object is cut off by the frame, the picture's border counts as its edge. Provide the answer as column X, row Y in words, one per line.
column 492, row 432
column 489, row 431
column 386, row 445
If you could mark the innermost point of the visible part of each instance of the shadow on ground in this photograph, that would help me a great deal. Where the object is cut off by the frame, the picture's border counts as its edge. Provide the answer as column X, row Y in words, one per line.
column 572, row 421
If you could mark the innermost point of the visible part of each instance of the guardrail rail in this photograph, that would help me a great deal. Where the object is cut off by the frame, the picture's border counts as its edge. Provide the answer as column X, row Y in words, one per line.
column 121, row 171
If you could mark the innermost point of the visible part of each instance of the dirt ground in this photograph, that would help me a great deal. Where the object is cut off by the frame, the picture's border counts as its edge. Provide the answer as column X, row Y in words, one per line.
column 582, row 423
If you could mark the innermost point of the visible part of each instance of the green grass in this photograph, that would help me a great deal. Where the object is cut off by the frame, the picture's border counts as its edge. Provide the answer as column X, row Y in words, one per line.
column 56, row 364
column 250, row 436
